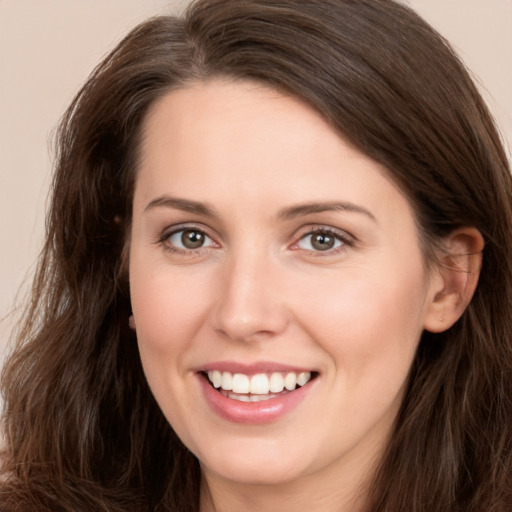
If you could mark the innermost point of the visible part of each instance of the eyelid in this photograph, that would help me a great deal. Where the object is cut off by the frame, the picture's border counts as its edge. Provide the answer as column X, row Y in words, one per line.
column 346, row 238
column 169, row 231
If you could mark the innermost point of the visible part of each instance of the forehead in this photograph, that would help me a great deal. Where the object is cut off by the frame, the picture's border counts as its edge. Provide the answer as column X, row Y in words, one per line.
column 212, row 115
column 245, row 141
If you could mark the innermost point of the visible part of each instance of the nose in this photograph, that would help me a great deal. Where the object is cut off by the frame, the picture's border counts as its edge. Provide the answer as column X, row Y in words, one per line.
column 250, row 305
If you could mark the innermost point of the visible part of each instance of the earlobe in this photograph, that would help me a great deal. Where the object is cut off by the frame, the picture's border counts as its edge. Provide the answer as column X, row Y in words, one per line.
column 454, row 278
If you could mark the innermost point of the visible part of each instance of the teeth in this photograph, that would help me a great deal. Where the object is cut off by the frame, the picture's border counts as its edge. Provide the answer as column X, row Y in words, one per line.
column 250, row 398
column 276, row 383
column 240, row 383
column 290, row 381
column 257, row 385
column 303, row 378
column 215, row 378
column 227, row 381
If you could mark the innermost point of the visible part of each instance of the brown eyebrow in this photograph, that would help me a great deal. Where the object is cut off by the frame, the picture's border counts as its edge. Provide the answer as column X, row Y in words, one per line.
column 187, row 205
column 308, row 208
column 199, row 208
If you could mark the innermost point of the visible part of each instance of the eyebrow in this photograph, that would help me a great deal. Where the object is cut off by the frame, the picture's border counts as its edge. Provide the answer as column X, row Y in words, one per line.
column 186, row 205
column 329, row 206
column 289, row 213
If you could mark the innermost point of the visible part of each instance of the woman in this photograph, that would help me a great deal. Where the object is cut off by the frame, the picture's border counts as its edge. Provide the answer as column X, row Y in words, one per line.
column 276, row 275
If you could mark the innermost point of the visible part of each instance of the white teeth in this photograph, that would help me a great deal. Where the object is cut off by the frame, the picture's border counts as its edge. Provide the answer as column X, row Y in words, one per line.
column 259, row 384
column 240, row 383
column 227, row 381
column 276, row 383
column 303, row 378
column 250, row 398
column 215, row 378
column 290, row 381
column 260, row 398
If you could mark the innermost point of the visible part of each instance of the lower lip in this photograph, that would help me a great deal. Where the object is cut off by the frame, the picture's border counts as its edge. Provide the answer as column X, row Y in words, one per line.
column 253, row 413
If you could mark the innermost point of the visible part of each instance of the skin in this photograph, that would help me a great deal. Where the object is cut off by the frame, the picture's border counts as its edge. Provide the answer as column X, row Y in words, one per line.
column 258, row 290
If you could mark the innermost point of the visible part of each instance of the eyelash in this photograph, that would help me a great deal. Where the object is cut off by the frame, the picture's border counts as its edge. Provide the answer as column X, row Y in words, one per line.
column 164, row 240
column 344, row 240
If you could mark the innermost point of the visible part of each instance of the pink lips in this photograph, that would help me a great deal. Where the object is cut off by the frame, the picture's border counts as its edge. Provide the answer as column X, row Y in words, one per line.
column 252, row 368
column 252, row 413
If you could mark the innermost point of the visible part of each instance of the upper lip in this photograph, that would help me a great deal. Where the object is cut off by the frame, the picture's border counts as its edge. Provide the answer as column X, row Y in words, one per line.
column 252, row 368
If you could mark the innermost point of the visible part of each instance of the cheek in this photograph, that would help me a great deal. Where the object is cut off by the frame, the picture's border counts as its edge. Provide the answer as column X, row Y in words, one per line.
column 168, row 308
column 168, row 312
column 370, row 324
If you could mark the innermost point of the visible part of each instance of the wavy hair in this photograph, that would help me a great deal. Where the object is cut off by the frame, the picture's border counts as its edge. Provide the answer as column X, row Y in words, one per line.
column 82, row 430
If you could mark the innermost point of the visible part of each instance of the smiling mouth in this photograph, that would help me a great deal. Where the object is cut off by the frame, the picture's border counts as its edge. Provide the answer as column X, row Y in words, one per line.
column 258, row 387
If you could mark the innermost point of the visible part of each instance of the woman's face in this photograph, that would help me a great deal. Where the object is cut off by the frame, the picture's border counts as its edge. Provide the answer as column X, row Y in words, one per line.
column 266, row 250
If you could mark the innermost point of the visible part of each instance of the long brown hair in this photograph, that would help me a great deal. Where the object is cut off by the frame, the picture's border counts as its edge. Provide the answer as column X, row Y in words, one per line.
column 82, row 429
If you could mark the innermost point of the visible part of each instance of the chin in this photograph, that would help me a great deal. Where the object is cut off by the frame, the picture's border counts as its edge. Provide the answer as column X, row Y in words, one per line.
column 260, row 464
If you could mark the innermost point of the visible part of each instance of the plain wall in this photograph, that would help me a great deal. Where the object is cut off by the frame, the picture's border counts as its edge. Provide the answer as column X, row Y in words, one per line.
column 48, row 47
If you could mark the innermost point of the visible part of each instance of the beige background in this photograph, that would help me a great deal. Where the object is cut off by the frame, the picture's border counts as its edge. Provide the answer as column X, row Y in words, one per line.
column 48, row 47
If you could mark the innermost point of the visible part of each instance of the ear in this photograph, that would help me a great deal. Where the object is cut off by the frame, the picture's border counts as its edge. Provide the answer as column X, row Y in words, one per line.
column 453, row 280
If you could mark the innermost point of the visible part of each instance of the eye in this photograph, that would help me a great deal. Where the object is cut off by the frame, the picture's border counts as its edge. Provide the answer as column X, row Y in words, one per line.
column 189, row 239
column 321, row 240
